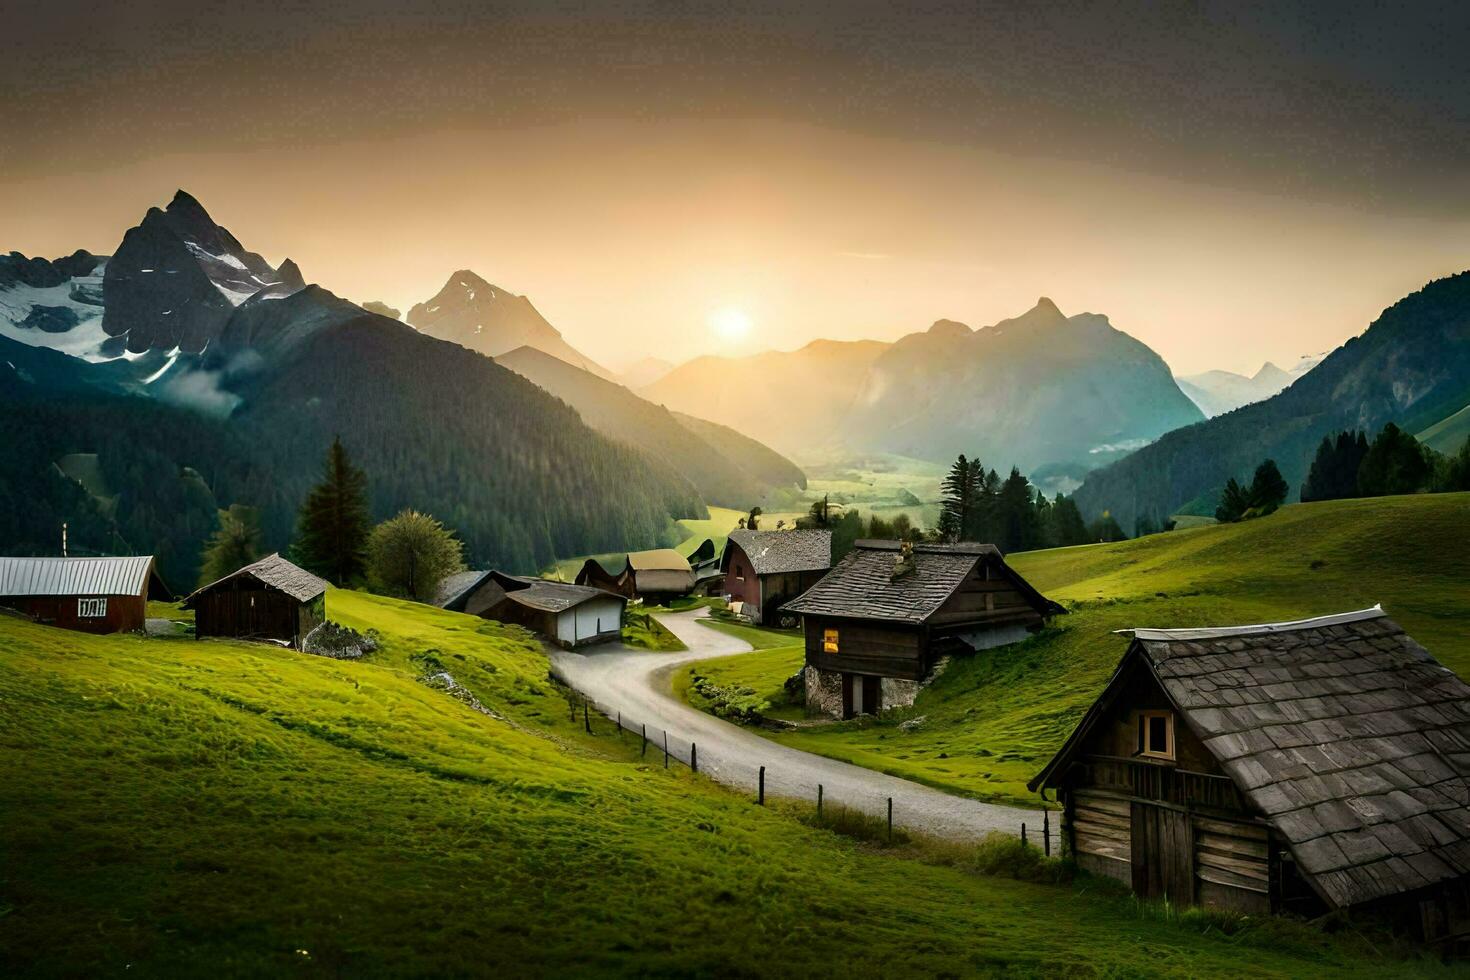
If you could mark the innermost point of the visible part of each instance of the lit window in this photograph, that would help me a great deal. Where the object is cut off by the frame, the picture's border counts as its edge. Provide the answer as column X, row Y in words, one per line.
column 1156, row 734
column 829, row 641
column 91, row 608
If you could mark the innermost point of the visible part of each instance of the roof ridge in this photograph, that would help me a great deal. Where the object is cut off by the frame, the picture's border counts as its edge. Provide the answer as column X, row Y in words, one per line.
column 1257, row 629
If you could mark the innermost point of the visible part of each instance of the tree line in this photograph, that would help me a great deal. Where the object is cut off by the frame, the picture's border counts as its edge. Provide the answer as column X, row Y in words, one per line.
column 1348, row 465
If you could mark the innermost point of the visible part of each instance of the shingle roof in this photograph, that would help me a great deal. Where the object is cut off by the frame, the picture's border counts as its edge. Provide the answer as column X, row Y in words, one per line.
column 74, row 576
column 547, row 596
column 279, row 574
column 773, row 552
column 455, row 587
column 862, row 586
column 1349, row 738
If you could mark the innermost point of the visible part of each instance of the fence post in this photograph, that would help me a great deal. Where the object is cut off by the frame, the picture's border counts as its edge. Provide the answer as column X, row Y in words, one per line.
column 1046, row 832
column 1023, row 835
column 819, row 801
column 666, row 748
column 760, row 799
column 586, row 718
column 890, row 820
column 643, row 750
column 693, row 757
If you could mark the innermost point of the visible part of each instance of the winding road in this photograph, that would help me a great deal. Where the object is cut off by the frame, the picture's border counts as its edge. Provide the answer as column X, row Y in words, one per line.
column 635, row 684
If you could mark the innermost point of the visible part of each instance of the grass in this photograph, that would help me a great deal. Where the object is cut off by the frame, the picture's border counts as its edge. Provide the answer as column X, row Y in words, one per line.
column 991, row 721
column 177, row 808
column 758, row 637
column 169, row 610
column 643, row 630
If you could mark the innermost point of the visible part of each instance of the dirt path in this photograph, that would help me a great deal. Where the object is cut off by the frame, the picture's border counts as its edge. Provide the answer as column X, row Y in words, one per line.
column 636, row 683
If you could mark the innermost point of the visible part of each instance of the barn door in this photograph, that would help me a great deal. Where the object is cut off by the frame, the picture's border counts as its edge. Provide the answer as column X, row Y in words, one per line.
column 1162, row 854
column 872, row 695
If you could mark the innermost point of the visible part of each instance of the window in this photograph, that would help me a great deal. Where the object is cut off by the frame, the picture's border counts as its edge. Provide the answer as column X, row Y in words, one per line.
column 829, row 641
column 1156, row 734
column 91, row 608
column 739, row 572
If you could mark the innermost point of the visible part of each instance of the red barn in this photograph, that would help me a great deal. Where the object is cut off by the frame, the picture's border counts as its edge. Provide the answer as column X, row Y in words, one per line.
column 763, row 569
column 93, row 595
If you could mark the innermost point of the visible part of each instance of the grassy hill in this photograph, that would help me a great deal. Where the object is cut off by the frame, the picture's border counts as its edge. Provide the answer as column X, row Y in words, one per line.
column 175, row 807
column 990, row 722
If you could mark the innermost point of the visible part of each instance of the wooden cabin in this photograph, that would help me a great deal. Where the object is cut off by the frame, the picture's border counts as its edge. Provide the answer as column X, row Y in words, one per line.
column 569, row 615
column 654, row 576
column 1304, row 766
column 92, row 595
column 270, row 599
column 882, row 622
column 765, row 569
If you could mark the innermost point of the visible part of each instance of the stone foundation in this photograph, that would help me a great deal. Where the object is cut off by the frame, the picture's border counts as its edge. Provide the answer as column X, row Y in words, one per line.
column 897, row 692
column 823, row 691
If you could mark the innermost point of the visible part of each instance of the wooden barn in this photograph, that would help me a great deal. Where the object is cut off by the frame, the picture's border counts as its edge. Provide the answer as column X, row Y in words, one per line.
column 569, row 615
column 881, row 622
column 765, row 569
column 1306, row 766
column 653, row 576
column 270, row 599
column 93, row 595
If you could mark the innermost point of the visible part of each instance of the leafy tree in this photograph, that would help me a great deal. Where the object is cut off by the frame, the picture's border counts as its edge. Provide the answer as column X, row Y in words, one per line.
column 333, row 526
column 235, row 544
column 1067, row 526
column 753, row 521
column 409, row 555
column 1394, row 463
column 1268, row 488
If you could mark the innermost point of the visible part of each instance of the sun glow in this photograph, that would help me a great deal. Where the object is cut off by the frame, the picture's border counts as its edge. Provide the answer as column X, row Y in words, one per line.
column 730, row 324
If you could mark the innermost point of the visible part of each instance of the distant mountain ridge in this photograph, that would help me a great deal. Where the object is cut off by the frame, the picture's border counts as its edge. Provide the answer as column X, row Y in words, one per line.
column 1411, row 366
column 1218, row 392
column 475, row 314
column 727, row 468
column 1041, row 390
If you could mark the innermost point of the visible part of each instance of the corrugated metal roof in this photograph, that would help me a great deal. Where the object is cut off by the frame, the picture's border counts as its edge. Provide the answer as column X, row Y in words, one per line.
column 74, row 576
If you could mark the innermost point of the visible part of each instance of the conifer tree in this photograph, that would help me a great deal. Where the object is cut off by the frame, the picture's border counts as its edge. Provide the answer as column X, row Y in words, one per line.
column 333, row 525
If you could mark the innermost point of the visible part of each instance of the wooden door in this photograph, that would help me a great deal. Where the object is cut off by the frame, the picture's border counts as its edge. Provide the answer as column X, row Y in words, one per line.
column 872, row 695
column 1162, row 854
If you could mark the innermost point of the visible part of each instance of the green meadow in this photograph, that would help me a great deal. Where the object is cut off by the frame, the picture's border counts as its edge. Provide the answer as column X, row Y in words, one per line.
column 989, row 723
column 180, row 807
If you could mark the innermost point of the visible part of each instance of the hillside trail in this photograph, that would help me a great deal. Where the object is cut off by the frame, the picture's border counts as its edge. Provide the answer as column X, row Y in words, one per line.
column 636, row 686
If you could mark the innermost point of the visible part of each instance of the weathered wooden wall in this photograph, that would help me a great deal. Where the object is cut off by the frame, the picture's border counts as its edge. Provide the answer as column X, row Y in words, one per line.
column 124, row 612
column 244, row 608
column 866, row 648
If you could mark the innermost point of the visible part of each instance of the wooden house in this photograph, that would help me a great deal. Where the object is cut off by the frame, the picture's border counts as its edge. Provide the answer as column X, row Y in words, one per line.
column 93, row 595
column 653, row 576
column 765, row 569
column 881, row 622
column 270, row 599
column 1309, row 765
column 569, row 615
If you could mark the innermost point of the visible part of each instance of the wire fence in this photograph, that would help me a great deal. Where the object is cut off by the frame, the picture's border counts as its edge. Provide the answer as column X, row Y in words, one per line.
column 659, row 745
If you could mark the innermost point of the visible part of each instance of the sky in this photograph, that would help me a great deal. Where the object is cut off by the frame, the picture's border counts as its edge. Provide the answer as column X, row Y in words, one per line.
column 1229, row 183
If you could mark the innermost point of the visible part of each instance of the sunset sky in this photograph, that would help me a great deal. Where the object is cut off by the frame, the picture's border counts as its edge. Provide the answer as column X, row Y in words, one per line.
column 1231, row 184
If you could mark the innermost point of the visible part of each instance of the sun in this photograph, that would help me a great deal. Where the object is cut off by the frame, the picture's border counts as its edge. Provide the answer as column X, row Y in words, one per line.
column 730, row 324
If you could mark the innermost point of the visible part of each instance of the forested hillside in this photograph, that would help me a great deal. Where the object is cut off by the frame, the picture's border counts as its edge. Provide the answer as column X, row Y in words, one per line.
column 1412, row 367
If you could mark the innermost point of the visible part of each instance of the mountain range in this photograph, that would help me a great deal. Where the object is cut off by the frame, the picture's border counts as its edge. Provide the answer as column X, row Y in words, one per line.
column 1218, row 392
column 1411, row 367
column 1042, row 391
column 199, row 376
column 472, row 313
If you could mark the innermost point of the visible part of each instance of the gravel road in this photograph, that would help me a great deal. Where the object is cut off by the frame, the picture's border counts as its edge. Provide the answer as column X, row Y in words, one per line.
column 636, row 683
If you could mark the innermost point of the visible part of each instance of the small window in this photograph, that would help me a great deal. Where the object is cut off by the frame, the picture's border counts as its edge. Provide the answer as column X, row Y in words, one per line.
column 829, row 641
column 91, row 608
column 739, row 572
column 1156, row 734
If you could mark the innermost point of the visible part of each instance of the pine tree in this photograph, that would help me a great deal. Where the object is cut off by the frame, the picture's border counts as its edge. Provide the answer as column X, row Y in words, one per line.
column 956, row 516
column 1234, row 502
column 1395, row 463
column 1268, row 488
column 235, row 544
column 333, row 525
